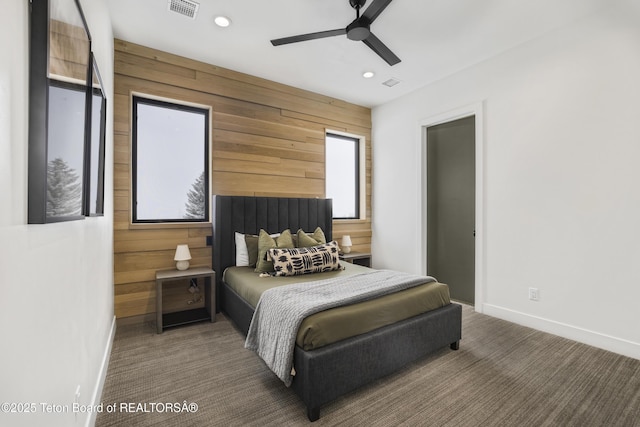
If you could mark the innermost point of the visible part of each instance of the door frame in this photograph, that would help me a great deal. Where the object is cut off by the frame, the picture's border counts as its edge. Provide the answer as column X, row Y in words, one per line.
column 476, row 110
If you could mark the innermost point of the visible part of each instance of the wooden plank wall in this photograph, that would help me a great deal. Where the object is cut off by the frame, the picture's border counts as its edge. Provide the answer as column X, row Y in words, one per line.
column 68, row 51
column 267, row 140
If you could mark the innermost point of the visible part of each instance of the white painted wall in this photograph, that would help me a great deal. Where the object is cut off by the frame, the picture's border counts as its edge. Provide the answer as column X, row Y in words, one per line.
column 561, row 178
column 56, row 280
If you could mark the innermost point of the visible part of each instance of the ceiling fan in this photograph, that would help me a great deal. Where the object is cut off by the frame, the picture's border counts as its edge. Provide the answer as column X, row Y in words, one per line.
column 358, row 30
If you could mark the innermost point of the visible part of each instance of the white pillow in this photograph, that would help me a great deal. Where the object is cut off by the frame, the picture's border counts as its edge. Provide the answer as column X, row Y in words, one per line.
column 242, row 253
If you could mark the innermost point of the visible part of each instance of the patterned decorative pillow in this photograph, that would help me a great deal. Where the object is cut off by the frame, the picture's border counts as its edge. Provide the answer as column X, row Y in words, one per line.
column 297, row 261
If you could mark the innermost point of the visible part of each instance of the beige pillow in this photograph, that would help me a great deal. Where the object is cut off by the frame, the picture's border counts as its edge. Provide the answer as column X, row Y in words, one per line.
column 307, row 240
column 266, row 242
column 252, row 248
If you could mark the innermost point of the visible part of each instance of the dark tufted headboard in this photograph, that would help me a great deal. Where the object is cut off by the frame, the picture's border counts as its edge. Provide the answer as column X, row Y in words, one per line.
column 248, row 215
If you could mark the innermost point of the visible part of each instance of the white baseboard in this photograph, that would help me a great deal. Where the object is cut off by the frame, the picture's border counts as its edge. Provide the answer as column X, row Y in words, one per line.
column 595, row 339
column 102, row 375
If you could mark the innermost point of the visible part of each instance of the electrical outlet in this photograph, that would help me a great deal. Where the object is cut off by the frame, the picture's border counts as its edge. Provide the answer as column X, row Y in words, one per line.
column 534, row 294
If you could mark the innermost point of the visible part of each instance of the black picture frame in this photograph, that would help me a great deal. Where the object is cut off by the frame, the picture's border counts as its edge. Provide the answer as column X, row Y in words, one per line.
column 61, row 91
column 96, row 140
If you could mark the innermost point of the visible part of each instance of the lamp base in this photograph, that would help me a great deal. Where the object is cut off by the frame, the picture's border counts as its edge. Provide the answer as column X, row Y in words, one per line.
column 346, row 249
column 182, row 265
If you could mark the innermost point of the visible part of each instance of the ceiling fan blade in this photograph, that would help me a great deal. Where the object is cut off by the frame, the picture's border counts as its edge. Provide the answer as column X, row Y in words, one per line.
column 310, row 36
column 378, row 47
column 375, row 9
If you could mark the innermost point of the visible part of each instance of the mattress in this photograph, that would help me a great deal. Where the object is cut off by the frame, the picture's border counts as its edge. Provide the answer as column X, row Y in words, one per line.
column 336, row 324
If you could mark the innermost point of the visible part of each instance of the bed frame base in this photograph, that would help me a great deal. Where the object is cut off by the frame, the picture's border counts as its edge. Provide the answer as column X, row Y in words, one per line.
column 313, row 413
column 329, row 372
column 326, row 373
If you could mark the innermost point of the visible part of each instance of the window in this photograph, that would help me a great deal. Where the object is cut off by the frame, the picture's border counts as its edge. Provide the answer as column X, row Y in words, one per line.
column 65, row 152
column 343, row 175
column 66, row 173
column 170, row 162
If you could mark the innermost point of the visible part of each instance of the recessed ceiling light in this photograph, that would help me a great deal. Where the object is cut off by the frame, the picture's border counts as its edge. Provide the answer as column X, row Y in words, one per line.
column 222, row 21
column 368, row 74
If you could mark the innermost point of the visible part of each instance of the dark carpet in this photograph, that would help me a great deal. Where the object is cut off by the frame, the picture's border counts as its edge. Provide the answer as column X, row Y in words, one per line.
column 503, row 375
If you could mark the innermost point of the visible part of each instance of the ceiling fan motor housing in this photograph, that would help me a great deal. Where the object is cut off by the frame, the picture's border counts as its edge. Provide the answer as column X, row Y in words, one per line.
column 358, row 30
column 357, row 4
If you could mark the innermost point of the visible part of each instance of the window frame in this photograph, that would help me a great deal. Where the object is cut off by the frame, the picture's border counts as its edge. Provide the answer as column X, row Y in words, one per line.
column 360, row 172
column 172, row 104
column 40, row 81
column 95, row 146
column 78, row 89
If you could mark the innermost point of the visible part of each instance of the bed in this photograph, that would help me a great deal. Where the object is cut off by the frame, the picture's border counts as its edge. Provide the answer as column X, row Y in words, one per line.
column 325, row 373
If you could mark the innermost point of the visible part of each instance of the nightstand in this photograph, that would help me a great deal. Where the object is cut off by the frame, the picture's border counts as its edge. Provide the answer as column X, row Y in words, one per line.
column 360, row 258
column 208, row 312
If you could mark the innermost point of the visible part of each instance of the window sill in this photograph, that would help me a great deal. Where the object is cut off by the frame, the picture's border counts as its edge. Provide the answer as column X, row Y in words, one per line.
column 351, row 221
column 168, row 225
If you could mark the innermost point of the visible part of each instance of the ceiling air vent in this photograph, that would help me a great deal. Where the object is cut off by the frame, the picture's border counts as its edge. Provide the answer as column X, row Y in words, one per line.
column 184, row 7
column 391, row 82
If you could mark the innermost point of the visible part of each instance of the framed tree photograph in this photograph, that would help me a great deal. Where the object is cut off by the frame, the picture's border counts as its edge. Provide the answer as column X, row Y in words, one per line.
column 60, row 117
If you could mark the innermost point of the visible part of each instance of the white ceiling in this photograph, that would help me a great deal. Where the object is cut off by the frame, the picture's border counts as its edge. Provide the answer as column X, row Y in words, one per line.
column 433, row 38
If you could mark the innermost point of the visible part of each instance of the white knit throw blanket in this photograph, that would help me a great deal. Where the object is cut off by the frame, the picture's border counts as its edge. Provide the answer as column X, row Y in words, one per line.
column 281, row 310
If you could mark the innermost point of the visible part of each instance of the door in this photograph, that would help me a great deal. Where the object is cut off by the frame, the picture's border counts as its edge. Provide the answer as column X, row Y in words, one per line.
column 451, row 206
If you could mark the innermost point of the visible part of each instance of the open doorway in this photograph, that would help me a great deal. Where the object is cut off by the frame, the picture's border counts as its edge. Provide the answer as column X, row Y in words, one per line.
column 451, row 192
column 451, row 206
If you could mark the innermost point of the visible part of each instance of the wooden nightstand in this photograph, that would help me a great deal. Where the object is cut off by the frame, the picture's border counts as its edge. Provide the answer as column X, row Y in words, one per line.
column 208, row 312
column 360, row 258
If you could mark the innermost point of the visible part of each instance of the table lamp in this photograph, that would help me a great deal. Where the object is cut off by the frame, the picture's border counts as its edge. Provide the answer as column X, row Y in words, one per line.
column 182, row 257
column 346, row 244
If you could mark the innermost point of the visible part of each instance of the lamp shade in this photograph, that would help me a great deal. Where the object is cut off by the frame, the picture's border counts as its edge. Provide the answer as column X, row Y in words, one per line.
column 182, row 253
column 182, row 257
column 346, row 244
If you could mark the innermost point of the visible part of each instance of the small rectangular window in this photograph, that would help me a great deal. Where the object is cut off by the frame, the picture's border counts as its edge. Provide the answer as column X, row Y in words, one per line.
column 65, row 152
column 342, row 175
column 170, row 162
